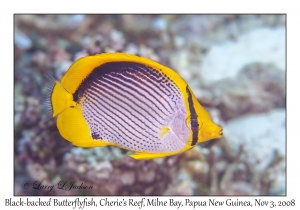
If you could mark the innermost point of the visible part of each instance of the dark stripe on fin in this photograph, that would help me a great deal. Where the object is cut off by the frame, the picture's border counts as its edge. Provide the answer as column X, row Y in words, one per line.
column 194, row 121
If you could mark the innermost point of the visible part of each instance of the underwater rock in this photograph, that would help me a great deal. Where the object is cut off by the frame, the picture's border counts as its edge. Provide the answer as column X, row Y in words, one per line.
column 117, row 40
column 19, row 105
column 60, row 68
column 49, row 23
column 263, row 140
column 59, row 54
column 193, row 169
column 74, row 20
column 38, row 142
column 186, row 63
column 197, row 168
column 37, row 172
column 181, row 185
column 131, row 48
column 127, row 177
column 115, row 175
column 92, row 45
column 146, row 177
column 196, row 24
column 147, row 52
column 159, row 24
column 41, row 59
column 194, row 154
column 257, row 88
column 276, row 176
column 30, row 115
column 181, row 63
column 264, row 132
column 136, row 24
column 112, row 41
column 21, row 40
column 226, row 60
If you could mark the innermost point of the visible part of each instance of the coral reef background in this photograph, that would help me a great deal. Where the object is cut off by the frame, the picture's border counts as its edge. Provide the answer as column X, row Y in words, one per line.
column 235, row 64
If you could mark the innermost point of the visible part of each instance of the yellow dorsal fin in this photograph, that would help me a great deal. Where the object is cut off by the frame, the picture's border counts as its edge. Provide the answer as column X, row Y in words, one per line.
column 81, row 68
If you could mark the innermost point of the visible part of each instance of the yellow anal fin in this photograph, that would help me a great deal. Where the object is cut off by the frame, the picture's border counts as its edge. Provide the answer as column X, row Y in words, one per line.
column 163, row 131
column 94, row 143
column 145, row 156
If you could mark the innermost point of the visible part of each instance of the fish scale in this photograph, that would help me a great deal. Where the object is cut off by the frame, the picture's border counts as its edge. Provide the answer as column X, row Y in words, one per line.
column 121, row 111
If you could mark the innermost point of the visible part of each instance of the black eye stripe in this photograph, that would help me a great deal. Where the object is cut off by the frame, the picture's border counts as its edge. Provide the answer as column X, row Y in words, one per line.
column 194, row 122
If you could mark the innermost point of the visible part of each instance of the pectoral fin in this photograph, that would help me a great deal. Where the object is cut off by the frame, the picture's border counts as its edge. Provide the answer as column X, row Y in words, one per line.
column 163, row 131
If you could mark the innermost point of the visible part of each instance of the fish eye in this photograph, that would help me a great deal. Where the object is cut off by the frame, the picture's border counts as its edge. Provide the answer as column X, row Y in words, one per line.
column 194, row 123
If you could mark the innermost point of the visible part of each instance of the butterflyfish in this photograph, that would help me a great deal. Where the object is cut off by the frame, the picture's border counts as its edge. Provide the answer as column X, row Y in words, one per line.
column 134, row 103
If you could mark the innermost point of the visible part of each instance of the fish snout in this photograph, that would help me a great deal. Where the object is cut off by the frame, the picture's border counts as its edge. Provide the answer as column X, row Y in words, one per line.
column 221, row 132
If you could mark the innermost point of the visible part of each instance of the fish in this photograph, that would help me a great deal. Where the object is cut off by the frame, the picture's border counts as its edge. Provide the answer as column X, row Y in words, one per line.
column 127, row 101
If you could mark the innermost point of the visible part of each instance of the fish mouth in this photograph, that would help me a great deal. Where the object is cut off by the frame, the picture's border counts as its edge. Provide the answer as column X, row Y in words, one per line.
column 219, row 132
